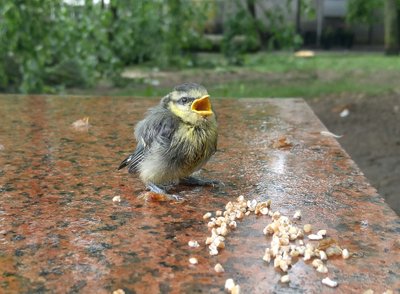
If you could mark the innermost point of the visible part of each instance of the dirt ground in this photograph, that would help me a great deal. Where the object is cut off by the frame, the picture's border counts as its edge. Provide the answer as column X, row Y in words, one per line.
column 371, row 135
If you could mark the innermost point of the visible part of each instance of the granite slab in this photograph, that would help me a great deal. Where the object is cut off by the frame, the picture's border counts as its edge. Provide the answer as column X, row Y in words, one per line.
column 61, row 232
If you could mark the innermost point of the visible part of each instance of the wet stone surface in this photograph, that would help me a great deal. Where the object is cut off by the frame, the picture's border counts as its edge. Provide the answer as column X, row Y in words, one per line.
column 60, row 231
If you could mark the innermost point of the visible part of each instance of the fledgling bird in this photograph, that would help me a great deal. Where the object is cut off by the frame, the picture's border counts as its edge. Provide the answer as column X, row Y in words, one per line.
column 175, row 139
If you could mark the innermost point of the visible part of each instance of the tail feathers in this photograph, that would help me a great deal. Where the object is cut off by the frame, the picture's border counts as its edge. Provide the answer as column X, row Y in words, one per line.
column 132, row 161
column 125, row 162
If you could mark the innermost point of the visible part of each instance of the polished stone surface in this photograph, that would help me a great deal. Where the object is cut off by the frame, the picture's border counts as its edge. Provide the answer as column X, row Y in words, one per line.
column 60, row 231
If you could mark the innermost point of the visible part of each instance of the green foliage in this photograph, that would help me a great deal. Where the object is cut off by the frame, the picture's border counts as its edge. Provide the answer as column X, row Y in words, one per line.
column 48, row 45
column 283, row 35
column 161, row 31
column 240, row 34
column 361, row 11
column 245, row 33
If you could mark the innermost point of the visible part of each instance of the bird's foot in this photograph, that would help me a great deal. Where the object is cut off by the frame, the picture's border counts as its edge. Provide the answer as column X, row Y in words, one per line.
column 160, row 194
column 156, row 189
column 193, row 181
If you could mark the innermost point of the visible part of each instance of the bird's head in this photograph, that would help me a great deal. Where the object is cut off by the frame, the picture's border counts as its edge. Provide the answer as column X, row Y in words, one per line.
column 190, row 102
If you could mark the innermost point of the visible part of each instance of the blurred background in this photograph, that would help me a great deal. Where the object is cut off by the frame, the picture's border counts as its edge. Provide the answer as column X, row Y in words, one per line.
column 340, row 55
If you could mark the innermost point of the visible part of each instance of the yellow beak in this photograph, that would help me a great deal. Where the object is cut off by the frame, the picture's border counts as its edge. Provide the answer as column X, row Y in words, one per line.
column 202, row 106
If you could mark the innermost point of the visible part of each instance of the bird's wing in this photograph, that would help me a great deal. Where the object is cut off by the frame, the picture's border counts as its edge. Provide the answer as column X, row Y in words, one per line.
column 159, row 126
column 133, row 160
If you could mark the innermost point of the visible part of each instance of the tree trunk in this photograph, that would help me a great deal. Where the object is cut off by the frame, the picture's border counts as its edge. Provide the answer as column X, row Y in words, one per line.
column 114, row 18
column 370, row 28
column 391, row 28
column 320, row 20
column 298, row 17
column 251, row 8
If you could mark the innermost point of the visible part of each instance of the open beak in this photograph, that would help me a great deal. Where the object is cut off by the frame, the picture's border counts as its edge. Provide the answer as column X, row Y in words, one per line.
column 202, row 106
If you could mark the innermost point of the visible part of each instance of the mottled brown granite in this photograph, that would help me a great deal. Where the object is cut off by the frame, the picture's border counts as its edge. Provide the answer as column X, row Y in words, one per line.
column 60, row 232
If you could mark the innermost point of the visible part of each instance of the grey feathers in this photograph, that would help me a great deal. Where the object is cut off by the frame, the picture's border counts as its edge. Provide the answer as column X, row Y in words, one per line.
column 188, row 87
column 170, row 146
column 157, row 128
column 133, row 160
column 158, row 125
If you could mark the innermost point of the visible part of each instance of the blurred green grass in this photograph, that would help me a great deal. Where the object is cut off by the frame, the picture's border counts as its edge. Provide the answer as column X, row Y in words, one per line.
column 336, row 61
column 276, row 75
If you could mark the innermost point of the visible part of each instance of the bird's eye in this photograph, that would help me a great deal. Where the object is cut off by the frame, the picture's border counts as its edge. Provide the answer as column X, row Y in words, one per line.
column 183, row 100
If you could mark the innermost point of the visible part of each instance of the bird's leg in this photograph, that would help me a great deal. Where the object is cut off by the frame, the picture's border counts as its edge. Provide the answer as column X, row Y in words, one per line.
column 193, row 181
column 158, row 190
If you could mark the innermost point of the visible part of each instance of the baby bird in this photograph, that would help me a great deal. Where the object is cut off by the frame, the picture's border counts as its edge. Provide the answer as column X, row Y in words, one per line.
column 175, row 139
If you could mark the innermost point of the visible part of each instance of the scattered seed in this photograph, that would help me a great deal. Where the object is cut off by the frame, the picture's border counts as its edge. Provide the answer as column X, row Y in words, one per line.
column 285, row 279
column 322, row 269
column 267, row 255
column 322, row 255
column 218, row 268
column 193, row 244
column 329, row 134
column 300, row 233
column 213, row 250
column 307, row 255
column 317, row 262
column 211, row 224
column 307, row 228
column 207, row 215
column 276, row 215
column 219, row 244
column 239, row 214
column 116, row 199
column 233, row 225
column 297, row 215
column 284, row 233
column 283, row 264
column 193, row 260
column 81, row 124
column 315, row 237
column 251, row 205
column 229, row 284
column 235, row 289
column 229, row 206
column 268, row 230
column 330, row 283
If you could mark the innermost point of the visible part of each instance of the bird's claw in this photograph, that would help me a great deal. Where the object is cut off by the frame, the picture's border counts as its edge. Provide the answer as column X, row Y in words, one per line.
column 159, row 194
column 217, row 183
column 175, row 197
